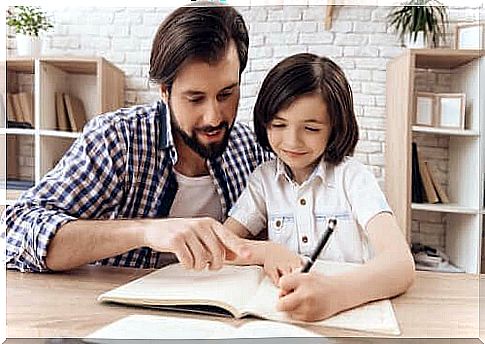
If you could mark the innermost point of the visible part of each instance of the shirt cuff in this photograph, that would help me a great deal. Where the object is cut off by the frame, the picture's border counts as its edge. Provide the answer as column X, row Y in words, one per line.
column 28, row 240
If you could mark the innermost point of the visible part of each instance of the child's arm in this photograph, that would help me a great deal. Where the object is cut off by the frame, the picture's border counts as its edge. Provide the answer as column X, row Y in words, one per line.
column 313, row 296
column 276, row 259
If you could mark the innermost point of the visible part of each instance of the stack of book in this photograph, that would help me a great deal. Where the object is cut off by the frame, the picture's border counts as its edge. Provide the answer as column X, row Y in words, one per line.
column 20, row 110
column 425, row 186
column 70, row 112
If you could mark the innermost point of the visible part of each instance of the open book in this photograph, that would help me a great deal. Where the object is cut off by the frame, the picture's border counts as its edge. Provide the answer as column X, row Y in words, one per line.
column 138, row 326
column 240, row 291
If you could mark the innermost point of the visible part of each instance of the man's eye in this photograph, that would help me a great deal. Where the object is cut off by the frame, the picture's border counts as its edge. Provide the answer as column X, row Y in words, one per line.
column 195, row 100
column 225, row 95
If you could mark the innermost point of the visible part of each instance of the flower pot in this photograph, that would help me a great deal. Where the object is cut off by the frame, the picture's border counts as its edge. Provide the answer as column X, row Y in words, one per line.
column 418, row 43
column 28, row 45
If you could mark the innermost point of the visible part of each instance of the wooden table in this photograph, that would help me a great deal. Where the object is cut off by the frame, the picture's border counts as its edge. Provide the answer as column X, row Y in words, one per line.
column 64, row 304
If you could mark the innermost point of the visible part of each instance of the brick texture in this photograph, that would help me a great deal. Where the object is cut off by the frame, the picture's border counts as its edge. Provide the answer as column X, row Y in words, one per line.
column 360, row 41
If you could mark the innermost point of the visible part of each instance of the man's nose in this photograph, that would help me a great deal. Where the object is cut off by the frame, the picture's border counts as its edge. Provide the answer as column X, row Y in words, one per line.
column 212, row 113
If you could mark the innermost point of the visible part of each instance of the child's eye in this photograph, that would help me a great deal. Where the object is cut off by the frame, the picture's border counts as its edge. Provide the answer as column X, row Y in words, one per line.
column 277, row 125
column 312, row 129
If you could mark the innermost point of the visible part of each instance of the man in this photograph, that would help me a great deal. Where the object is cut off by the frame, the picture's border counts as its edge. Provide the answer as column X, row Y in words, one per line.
column 147, row 185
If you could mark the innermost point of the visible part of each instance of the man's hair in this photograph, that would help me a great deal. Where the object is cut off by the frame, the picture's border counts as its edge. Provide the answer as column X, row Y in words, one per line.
column 305, row 74
column 199, row 33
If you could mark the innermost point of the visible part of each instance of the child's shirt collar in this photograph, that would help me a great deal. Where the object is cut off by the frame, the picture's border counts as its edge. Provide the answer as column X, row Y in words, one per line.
column 320, row 171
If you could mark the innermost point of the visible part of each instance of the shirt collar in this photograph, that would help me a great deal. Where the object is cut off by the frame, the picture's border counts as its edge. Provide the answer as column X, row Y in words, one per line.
column 282, row 170
column 166, row 135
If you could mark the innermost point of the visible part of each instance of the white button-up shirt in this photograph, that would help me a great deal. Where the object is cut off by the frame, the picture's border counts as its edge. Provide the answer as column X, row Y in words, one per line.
column 296, row 215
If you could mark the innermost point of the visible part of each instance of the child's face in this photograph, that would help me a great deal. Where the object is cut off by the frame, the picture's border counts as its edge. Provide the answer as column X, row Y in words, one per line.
column 299, row 134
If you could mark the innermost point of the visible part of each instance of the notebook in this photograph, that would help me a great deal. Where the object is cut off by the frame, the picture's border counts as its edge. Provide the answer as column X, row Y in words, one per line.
column 240, row 291
column 139, row 326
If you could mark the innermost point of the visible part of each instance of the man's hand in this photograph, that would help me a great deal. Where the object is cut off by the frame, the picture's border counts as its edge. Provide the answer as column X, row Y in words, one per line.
column 279, row 261
column 196, row 242
column 276, row 259
column 309, row 296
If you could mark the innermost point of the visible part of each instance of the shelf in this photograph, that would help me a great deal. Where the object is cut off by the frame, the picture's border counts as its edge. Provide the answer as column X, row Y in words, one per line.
column 445, row 131
column 12, row 195
column 21, row 64
column 445, row 208
column 444, row 58
column 63, row 134
column 17, row 131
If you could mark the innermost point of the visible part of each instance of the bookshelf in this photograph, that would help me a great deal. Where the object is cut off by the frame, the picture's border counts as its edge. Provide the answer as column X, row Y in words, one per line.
column 465, row 148
column 32, row 152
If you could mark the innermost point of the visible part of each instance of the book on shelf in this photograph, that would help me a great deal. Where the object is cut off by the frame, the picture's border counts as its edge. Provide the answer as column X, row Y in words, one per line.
column 61, row 113
column 240, row 291
column 17, row 184
column 12, row 156
column 443, row 197
column 425, row 185
column 429, row 190
column 20, row 113
column 27, row 107
column 417, row 183
column 11, row 116
column 75, row 112
column 17, row 108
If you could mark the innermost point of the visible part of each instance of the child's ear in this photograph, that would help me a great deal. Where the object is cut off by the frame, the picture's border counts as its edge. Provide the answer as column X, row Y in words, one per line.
column 164, row 93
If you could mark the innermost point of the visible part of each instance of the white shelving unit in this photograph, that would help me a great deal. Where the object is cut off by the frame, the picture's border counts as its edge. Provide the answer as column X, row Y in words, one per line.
column 466, row 149
column 95, row 81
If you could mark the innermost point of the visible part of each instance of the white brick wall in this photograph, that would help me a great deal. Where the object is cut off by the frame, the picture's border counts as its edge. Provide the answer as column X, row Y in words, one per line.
column 360, row 41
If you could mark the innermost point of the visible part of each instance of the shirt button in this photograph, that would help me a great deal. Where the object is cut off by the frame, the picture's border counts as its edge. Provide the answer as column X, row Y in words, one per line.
column 302, row 201
column 304, row 239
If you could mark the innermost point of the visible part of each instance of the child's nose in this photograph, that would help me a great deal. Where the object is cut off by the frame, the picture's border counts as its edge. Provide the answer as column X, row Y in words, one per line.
column 293, row 138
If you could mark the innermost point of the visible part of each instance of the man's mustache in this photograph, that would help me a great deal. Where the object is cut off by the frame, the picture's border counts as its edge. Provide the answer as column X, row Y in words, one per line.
column 209, row 129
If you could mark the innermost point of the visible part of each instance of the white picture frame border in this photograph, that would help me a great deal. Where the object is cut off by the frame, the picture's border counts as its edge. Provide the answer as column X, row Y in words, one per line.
column 439, row 115
column 459, row 29
column 432, row 115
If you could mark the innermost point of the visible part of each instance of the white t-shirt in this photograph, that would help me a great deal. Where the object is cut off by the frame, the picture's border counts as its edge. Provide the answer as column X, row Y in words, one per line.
column 196, row 197
column 296, row 215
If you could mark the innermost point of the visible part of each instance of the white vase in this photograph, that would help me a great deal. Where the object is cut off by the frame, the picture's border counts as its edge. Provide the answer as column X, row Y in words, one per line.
column 418, row 44
column 28, row 45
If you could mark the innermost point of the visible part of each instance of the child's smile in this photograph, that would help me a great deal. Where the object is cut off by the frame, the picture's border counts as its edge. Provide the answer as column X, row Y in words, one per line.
column 299, row 134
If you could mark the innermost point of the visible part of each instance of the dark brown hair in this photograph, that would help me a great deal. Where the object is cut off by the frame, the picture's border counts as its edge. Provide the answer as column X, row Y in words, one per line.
column 196, row 32
column 304, row 74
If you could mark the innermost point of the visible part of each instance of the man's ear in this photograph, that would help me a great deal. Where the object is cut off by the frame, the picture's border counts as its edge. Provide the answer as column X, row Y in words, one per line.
column 164, row 93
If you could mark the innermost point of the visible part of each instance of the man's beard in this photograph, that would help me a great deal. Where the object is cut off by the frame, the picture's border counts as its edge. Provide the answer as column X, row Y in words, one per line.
column 209, row 151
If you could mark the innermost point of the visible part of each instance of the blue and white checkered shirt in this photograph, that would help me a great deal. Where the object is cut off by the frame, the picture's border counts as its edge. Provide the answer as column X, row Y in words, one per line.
column 120, row 167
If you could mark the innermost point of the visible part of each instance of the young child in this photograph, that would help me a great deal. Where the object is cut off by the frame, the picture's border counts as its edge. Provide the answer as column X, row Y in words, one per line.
column 304, row 114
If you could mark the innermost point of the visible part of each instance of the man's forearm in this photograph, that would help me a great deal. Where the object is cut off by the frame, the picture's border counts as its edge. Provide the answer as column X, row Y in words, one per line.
column 83, row 241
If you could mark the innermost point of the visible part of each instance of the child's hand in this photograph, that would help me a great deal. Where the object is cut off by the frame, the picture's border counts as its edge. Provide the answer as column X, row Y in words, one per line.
column 279, row 261
column 309, row 296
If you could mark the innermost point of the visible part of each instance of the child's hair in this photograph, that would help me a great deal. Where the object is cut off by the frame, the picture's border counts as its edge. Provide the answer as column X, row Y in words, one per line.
column 304, row 74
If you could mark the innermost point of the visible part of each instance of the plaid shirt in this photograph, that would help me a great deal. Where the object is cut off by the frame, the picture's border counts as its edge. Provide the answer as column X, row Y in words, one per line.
column 120, row 167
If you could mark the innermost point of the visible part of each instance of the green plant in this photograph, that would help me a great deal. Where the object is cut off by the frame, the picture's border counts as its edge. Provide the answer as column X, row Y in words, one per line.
column 428, row 16
column 28, row 20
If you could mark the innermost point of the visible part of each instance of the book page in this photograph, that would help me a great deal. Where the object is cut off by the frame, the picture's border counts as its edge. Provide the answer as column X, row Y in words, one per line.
column 375, row 317
column 173, row 285
column 164, row 327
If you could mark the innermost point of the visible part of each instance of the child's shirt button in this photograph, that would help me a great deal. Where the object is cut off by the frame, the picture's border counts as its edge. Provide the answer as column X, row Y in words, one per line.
column 302, row 201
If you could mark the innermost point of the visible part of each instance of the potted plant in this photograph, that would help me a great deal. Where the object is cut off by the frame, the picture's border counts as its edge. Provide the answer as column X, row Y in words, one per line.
column 28, row 23
column 420, row 18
